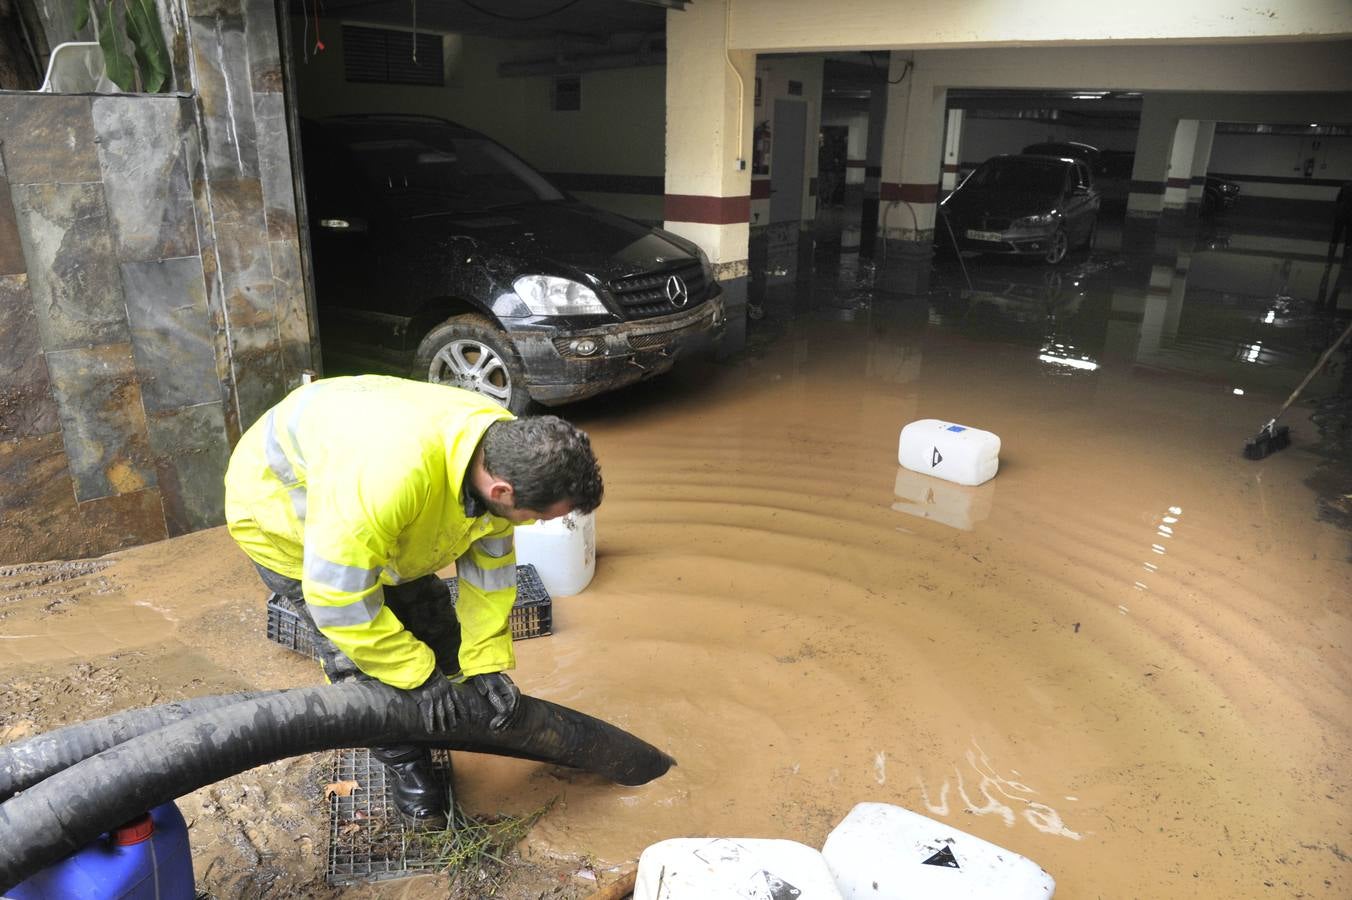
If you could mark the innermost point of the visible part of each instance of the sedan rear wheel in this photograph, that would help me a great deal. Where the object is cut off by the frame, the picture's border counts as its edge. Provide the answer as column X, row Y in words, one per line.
column 1056, row 250
column 471, row 353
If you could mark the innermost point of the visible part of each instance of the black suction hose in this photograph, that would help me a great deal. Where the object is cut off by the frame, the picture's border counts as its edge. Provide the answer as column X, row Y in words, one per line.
column 63, row 813
column 24, row 763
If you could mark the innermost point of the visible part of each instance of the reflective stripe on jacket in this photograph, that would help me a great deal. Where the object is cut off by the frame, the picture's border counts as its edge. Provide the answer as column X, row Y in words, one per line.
column 353, row 483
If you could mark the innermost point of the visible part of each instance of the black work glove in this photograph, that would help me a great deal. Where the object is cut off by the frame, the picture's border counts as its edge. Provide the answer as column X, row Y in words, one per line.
column 436, row 702
column 502, row 693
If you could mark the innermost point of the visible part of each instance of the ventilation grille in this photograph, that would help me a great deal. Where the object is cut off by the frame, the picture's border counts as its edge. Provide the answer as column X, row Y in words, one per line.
column 385, row 56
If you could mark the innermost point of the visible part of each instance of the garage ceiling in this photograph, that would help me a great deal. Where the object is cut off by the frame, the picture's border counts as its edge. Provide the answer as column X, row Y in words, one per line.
column 511, row 19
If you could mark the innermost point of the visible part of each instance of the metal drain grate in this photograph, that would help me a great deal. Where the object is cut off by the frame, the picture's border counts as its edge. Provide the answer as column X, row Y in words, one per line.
column 368, row 841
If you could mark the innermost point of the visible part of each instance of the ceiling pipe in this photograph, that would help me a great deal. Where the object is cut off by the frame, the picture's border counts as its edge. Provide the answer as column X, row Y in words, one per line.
column 651, row 51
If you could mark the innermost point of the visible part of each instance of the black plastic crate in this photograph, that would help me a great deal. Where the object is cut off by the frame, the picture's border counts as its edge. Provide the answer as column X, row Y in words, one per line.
column 286, row 626
column 532, row 616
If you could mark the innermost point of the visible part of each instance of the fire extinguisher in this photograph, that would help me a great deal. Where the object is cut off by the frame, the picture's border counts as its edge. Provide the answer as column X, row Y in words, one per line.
column 760, row 149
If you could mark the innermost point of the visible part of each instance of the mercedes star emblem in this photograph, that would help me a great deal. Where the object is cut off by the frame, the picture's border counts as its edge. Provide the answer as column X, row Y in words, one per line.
column 677, row 292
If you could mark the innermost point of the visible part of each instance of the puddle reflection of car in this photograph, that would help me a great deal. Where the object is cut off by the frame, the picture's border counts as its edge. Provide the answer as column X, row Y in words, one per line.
column 440, row 255
column 1024, row 205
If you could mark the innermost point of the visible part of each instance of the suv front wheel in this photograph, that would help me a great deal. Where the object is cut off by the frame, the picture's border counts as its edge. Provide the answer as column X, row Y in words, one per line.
column 470, row 352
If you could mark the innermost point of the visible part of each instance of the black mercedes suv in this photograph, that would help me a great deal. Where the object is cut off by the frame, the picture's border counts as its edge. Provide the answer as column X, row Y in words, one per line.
column 439, row 254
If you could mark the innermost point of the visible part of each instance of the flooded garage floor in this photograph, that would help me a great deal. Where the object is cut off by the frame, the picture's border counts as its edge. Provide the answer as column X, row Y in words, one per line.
column 1126, row 657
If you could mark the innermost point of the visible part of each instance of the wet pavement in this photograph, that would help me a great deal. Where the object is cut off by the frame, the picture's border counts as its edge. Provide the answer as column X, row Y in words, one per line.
column 1125, row 657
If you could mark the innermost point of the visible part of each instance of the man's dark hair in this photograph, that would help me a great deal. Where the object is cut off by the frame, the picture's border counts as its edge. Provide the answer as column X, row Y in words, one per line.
column 545, row 460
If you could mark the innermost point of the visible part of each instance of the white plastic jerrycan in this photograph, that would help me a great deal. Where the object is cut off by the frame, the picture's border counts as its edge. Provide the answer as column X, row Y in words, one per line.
column 885, row 852
column 733, row 869
column 952, row 452
column 563, row 551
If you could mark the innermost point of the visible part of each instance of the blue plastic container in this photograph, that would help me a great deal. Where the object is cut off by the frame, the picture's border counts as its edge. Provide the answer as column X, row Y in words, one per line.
column 147, row 858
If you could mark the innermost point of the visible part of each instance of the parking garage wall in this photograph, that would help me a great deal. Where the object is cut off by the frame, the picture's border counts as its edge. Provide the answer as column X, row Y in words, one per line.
column 611, row 152
column 150, row 296
column 1282, row 176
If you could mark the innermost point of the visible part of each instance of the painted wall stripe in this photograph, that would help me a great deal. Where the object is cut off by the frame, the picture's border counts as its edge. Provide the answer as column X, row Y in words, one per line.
column 606, row 183
column 707, row 210
column 910, row 193
column 1281, row 179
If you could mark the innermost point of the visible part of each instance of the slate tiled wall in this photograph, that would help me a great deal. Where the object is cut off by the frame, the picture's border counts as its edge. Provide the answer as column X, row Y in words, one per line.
column 151, row 303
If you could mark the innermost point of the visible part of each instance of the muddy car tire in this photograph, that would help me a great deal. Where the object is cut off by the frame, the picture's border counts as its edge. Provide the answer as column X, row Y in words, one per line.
column 470, row 352
column 1060, row 245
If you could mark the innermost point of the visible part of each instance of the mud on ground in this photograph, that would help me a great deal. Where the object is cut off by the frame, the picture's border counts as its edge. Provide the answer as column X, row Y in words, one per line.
column 263, row 833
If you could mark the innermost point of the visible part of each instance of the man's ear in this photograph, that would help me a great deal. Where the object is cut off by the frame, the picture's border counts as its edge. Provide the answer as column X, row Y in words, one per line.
column 501, row 492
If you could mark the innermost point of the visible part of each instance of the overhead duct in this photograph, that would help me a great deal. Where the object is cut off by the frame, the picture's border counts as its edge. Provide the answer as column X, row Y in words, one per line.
column 650, row 51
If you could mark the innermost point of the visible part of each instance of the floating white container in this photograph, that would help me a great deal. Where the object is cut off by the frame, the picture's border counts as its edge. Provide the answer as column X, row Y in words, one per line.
column 949, row 451
column 885, row 852
column 563, row 551
column 733, row 869
column 954, row 505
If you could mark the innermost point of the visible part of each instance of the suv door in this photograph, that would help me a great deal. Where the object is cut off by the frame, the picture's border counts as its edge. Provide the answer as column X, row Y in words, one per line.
column 1081, row 204
column 345, row 227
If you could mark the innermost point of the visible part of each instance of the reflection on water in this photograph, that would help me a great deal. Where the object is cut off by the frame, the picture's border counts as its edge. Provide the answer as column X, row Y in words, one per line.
column 954, row 505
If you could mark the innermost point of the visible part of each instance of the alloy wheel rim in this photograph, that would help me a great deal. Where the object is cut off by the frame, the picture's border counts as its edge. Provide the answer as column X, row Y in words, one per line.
column 474, row 366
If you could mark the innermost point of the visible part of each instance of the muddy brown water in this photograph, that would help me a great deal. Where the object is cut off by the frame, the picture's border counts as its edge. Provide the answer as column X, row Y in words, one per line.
column 1126, row 657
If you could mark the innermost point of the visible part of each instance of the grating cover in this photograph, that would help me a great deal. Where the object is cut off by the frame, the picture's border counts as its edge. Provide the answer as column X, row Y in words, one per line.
column 368, row 840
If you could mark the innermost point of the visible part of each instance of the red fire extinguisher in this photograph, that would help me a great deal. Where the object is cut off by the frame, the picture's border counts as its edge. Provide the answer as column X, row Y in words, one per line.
column 760, row 150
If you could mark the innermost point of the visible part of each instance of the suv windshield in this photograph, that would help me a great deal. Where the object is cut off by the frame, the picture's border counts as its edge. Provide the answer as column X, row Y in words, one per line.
column 431, row 173
column 1027, row 176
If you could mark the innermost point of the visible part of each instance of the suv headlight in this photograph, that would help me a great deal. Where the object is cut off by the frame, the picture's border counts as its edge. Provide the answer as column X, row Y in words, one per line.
column 707, row 266
column 546, row 295
column 1034, row 221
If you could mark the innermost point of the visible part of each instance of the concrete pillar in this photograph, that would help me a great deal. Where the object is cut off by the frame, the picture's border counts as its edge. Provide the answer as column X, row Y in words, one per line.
column 952, row 144
column 710, row 92
column 1149, row 175
column 912, row 161
column 1201, row 160
column 1178, row 178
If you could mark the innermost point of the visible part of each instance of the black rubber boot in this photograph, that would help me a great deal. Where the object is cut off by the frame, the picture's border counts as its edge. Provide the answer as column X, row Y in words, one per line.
column 418, row 795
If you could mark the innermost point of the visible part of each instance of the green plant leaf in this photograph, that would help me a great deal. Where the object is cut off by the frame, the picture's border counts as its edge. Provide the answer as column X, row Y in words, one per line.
column 81, row 14
column 152, row 56
column 121, row 70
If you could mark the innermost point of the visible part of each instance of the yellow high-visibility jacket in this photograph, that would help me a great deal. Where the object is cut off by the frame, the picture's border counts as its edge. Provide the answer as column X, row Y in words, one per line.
column 353, row 483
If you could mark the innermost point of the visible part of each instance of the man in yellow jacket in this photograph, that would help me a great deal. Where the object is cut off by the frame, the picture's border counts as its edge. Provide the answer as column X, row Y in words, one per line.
column 352, row 492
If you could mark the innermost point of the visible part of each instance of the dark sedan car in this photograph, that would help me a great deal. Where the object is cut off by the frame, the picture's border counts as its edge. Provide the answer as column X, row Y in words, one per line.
column 440, row 255
column 1024, row 205
column 1218, row 195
